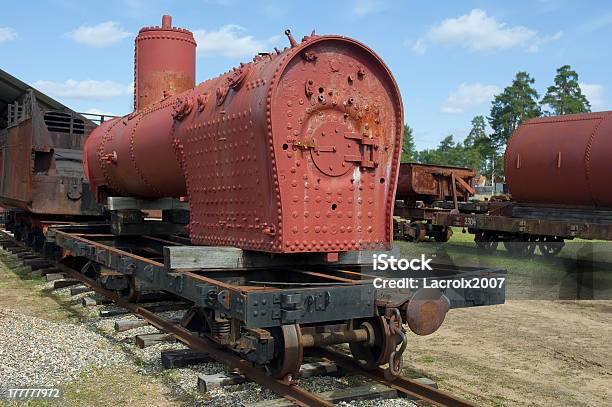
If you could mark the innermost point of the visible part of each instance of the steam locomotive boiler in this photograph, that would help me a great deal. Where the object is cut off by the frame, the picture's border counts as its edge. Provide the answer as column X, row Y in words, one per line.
column 296, row 151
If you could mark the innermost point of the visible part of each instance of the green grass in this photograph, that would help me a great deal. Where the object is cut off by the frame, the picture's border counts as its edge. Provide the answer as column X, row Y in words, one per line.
column 530, row 277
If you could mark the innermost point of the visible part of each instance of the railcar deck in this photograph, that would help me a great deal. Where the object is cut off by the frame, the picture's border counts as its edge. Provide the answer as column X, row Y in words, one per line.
column 259, row 289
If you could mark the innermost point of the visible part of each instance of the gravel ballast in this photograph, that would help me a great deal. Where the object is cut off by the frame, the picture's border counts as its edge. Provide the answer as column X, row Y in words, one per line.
column 37, row 352
column 44, row 353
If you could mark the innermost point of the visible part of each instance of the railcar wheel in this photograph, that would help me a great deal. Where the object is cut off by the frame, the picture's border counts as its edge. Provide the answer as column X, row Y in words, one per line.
column 375, row 351
column 550, row 246
column 486, row 241
column 288, row 351
column 443, row 235
column 519, row 247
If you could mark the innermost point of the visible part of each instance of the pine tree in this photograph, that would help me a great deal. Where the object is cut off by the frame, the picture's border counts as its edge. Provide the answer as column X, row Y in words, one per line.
column 479, row 147
column 566, row 97
column 516, row 104
column 409, row 152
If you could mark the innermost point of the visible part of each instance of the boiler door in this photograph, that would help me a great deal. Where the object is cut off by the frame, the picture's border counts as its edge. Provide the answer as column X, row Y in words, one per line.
column 333, row 152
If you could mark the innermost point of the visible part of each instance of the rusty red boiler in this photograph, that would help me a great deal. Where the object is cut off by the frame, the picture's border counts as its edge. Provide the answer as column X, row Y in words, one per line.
column 296, row 151
column 562, row 160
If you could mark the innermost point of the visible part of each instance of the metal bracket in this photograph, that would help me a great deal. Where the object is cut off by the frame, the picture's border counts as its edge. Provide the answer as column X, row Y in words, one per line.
column 368, row 158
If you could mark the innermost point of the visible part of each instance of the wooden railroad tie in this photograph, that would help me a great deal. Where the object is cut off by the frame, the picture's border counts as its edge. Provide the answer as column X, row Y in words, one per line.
column 146, row 340
column 89, row 301
column 36, row 263
column 173, row 359
column 80, row 290
column 369, row 391
column 161, row 307
column 365, row 392
column 65, row 283
column 211, row 381
column 127, row 324
column 55, row 276
column 49, row 270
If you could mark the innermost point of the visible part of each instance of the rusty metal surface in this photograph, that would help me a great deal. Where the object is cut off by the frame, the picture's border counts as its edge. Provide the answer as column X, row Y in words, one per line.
column 296, row 151
column 164, row 63
column 524, row 226
column 427, row 183
column 40, row 160
column 561, row 160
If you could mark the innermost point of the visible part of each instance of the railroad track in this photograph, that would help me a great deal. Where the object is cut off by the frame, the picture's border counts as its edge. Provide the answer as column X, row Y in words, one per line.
column 288, row 390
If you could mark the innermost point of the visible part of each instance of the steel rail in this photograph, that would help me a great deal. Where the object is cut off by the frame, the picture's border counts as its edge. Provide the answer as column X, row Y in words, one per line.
column 401, row 384
column 293, row 393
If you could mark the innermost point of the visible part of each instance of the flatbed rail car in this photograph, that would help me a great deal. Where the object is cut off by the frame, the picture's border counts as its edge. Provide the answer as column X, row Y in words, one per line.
column 269, row 308
column 524, row 227
column 424, row 190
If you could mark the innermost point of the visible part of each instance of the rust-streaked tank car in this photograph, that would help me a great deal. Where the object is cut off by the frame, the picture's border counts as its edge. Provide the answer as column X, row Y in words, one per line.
column 562, row 160
column 557, row 171
column 41, row 143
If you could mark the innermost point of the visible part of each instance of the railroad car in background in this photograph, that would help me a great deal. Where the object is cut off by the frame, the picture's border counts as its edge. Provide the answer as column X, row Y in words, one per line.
column 557, row 170
column 424, row 190
column 41, row 160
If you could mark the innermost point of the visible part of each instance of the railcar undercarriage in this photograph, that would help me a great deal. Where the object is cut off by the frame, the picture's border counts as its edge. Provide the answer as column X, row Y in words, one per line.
column 269, row 309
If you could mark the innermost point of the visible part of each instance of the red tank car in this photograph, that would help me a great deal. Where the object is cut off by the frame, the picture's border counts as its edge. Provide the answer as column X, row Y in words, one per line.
column 296, row 151
column 561, row 160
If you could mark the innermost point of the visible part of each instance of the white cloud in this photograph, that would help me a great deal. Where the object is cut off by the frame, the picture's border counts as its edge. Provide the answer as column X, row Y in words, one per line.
column 418, row 47
column 231, row 41
column 468, row 95
column 87, row 89
column 7, row 34
column 480, row 32
column 594, row 93
column 535, row 46
column 365, row 7
column 100, row 35
column 100, row 112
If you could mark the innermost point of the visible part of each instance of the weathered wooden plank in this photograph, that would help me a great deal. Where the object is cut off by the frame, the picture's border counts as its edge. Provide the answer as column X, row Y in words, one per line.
column 80, row 290
column 116, row 203
column 64, row 283
column 94, row 300
column 18, row 249
column 172, row 359
column 146, row 340
column 318, row 369
column 365, row 392
column 207, row 382
column 55, row 276
column 215, row 257
column 88, row 302
column 113, row 311
column 49, row 270
column 26, row 255
column 127, row 324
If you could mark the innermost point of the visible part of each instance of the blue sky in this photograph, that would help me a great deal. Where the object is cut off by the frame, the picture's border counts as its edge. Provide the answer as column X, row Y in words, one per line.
column 449, row 57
